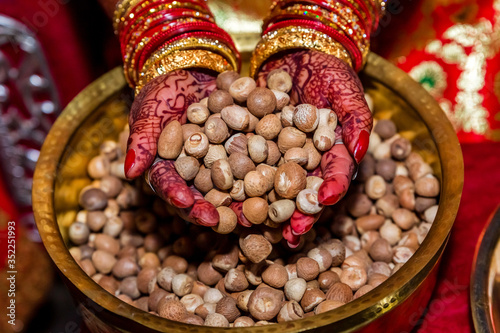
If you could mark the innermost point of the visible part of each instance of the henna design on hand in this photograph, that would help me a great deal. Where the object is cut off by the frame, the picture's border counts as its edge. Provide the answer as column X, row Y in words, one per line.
column 291, row 239
column 312, row 72
column 160, row 101
column 201, row 213
column 169, row 185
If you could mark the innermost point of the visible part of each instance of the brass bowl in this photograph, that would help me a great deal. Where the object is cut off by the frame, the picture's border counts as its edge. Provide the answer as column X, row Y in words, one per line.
column 99, row 113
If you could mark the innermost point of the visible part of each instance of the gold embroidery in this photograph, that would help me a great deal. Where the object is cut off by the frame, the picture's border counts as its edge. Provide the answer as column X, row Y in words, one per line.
column 431, row 76
column 482, row 38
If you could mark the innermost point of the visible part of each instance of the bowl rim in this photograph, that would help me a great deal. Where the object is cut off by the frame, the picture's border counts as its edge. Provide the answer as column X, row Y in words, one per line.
column 371, row 306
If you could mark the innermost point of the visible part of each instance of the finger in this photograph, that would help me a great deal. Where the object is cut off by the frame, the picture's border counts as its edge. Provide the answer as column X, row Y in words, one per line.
column 292, row 240
column 348, row 101
column 160, row 101
column 237, row 208
column 338, row 167
column 302, row 223
column 202, row 212
column 169, row 186
column 316, row 172
column 146, row 123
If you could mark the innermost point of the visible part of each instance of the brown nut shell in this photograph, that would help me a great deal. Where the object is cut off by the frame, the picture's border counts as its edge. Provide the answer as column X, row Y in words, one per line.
column 307, row 268
column 255, row 247
column 289, row 180
column 240, row 165
column 222, row 176
column 196, row 145
column 269, row 127
column 187, row 167
column 170, row 142
column 216, row 130
column 227, row 220
column 218, row 100
column 225, row 79
column 241, row 88
column 265, row 303
column 306, row 117
column 255, row 184
column 261, row 101
column 255, row 210
column 235, row 117
column 273, row 153
column 291, row 137
column 197, row 113
column 237, row 144
column 280, row 80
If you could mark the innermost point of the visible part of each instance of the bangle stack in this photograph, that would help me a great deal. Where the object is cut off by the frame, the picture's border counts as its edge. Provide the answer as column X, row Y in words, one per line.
column 337, row 27
column 159, row 36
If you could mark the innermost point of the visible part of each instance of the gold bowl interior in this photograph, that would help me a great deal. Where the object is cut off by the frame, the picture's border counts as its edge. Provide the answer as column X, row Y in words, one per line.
column 100, row 112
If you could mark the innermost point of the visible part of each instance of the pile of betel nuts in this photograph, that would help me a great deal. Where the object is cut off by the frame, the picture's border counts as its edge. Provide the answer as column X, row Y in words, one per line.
column 246, row 143
column 134, row 245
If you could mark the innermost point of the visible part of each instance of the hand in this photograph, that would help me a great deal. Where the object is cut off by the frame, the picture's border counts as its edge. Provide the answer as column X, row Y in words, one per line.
column 162, row 100
column 327, row 82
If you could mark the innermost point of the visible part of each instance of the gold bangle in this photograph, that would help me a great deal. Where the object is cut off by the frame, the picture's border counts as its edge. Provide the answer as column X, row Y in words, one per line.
column 293, row 37
column 189, row 43
column 182, row 59
column 338, row 20
column 129, row 56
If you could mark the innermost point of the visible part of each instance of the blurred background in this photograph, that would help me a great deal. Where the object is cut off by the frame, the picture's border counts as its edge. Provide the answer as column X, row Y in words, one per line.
column 51, row 49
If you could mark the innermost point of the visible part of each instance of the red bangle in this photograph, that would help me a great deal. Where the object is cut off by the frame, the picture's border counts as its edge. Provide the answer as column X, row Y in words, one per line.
column 334, row 34
column 362, row 22
column 142, row 10
column 316, row 16
column 138, row 10
column 167, row 26
column 184, row 28
column 363, row 6
column 327, row 6
column 125, row 36
column 374, row 11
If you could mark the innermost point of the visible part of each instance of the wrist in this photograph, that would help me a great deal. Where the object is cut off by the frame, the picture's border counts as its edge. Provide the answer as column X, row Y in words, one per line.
column 341, row 28
column 160, row 36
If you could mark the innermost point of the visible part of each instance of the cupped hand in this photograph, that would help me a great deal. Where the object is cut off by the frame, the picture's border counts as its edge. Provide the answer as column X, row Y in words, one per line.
column 161, row 101
column 327, row 82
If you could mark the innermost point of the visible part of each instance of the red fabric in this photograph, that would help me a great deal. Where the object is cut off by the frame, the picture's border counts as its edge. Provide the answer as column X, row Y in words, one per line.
column 66, row 49
column 410, row 27
column 449, row 309
column 7, row 213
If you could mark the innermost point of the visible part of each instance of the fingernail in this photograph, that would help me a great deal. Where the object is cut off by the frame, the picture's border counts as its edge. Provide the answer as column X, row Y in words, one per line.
column 129, row 161
column 362, row 146
column 325, row 195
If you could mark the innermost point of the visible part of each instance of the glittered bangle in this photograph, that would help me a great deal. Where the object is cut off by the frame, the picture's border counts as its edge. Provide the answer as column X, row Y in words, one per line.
column 136, row 29
column 182, row 59
column 134, row 50
column 293, row 37
column 160, row 5
column 330, row 6
column 335, row 20
column 154, row 43
column 348, row 45
column 141, row 7
column 197, row 40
